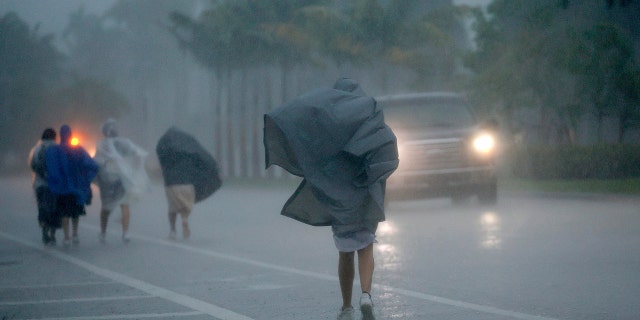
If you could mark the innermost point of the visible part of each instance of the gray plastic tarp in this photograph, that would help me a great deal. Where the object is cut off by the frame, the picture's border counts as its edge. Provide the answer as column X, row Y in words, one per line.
column 337, row 140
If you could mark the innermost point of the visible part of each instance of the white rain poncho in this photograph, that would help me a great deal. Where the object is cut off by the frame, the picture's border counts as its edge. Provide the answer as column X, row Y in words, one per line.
column 122, row 177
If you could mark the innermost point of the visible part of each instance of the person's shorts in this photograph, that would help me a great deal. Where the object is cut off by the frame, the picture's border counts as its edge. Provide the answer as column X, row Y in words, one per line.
column 68, row 207
column 112, row 193
column 47, row 207
column 354, row 241
column 181, row 198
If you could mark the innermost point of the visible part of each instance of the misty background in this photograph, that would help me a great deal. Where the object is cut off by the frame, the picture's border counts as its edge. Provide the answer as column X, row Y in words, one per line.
column 553, row 73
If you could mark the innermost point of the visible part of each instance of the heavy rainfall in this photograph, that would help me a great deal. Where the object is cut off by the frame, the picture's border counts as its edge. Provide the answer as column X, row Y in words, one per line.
column 319, row 159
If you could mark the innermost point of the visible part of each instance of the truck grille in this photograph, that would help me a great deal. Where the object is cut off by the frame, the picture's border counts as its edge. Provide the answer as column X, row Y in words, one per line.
column 427, row 155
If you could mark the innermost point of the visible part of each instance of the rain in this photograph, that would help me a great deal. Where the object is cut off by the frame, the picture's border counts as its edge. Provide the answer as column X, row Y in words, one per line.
column 508, row 190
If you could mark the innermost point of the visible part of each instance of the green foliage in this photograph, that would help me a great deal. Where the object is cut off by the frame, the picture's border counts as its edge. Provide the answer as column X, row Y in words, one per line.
column 629, row 186
column 235, row 34
column 88, row 101
column 29, row 66
column 239, row 34
column 563, row 61
column 34, row 94
column 576, row 162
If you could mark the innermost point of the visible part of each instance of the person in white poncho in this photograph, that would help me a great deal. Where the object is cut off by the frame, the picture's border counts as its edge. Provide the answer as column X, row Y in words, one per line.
column 122, row 177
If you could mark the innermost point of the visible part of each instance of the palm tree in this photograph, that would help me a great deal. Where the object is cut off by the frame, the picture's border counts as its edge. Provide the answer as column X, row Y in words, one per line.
column 235, row 37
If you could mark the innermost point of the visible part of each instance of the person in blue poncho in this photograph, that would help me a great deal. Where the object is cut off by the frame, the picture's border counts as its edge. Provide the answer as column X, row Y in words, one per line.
column 70, row 170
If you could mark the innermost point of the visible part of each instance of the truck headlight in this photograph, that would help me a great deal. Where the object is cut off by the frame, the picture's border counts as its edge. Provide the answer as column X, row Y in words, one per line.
column 484, row 143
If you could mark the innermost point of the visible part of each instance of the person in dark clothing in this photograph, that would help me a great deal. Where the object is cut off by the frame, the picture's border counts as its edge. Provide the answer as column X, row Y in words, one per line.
column 190, row 175
column 337, row 140
column 48, row 218
column 70, row 170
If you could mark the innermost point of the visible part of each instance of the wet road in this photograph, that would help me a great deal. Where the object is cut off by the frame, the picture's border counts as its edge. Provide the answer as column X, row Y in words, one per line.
column 529, row 257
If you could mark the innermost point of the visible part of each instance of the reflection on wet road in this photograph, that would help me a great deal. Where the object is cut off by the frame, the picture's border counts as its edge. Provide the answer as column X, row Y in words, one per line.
column 526, row 256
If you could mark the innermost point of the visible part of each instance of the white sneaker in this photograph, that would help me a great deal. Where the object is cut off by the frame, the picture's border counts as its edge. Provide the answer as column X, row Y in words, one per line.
column 172, row 235
column 366, row 306
column 103, row 238
column 346, row 314
column 125, row 238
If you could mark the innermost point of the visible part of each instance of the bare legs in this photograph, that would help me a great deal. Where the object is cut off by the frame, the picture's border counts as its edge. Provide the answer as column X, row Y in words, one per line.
column 366, row 265
column 346, row 272
column 74, row 226
column 184, row 216
column 126, row 216
column 104, row 220
column 172, row 221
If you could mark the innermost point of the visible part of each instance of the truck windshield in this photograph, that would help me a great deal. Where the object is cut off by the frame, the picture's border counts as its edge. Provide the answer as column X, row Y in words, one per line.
column 448, row 114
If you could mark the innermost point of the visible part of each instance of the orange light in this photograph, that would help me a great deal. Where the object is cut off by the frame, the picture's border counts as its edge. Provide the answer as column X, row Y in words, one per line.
column 75, row 141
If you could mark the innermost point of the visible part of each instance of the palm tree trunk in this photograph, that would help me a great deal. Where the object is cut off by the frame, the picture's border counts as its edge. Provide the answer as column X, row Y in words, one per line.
column 224, row 124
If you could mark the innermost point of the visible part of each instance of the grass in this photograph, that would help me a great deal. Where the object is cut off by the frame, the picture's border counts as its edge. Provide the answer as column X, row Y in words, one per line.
column 629, row 186
column 620, row 186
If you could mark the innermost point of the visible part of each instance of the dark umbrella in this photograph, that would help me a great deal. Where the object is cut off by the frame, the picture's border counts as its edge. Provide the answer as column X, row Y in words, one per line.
column 336, row 139
column 184, row 161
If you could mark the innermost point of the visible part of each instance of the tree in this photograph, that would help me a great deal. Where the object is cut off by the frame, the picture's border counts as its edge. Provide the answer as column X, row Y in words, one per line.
column 234, row 37
column 426, row 38
column 629, row 115
column 89, row 101
column 95, row 51
column 237, row 40
column 29, row 67
column 563, row 62
column 601, row 60
column 610, row 3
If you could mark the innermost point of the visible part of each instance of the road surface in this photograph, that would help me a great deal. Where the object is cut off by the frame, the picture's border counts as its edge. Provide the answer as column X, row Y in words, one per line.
column 529, row 257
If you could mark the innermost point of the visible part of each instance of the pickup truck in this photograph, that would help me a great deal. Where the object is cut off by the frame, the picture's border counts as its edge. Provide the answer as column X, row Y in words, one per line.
column 444, row 150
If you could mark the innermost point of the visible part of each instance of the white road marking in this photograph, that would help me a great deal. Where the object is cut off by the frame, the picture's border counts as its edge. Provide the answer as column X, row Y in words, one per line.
column 181, row 298
column 321, row 276
column 15, row 303
column 155, row 291
column 464, row 305
column 129, row 316
column 57, row 285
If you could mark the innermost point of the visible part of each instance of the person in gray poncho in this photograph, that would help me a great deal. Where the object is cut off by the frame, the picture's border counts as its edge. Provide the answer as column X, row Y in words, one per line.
column 337, row 140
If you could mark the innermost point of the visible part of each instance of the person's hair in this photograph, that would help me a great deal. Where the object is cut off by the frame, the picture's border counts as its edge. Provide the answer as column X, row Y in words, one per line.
column 49, row 134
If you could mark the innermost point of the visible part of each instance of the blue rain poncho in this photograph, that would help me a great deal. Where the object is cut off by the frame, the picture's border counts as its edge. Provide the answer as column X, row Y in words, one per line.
column 70, row 169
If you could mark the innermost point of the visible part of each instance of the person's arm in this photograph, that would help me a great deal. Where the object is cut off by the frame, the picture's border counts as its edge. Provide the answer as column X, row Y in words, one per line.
column 33, row 162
